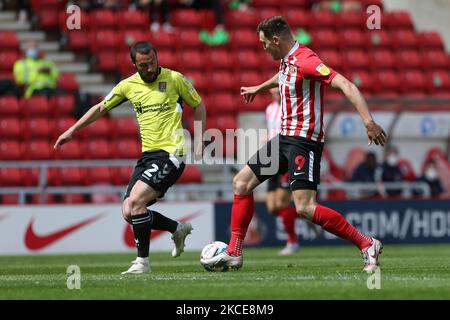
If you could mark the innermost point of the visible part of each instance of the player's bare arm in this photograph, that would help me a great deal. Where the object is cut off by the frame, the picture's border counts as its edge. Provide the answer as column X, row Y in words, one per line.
column 199, row 115
column 249, row 93
column 375, row 132
column 90, row 116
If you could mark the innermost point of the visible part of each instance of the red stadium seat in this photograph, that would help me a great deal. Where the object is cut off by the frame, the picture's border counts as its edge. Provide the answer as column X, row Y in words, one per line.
column 325, row 39
column 387, row 80
column 37, row 4
column 260, row 103
column 11, row 128
column 352, row 38
column 323, row 19
column 126, row 66
column 398, row 20
column 356, row 59
column 78, row 40
column 72, row 176
column 244, row 38
column 69, row 151
column 62, row 124
column 123, row 175
column 248, row 78
column 10, row 150
column 297, row 18
column 219, row 59
column 103, row 19
column 409, row 59
column 38, row 128
column 126, row 39
column 222, row 122
column 351, row 20
column 431, row 40
column 435, row 59
column 48, row 18
column 7, row 60
column 404, row 39
column 378, row 39
column 11, row 177
column 383, row 59
column 99, row 129
column 107, row 61
column 99, row 175
column 438, row 81
column 68, row 83
column 102, row 40
column 97, row 149
column 199, row 80
column 62, row 105
column 187, row 18
column 247, row 59
column 35, row 106
column 9, row 199
column 127, row 149
column 125, row 127
column 222, row 103
column 9, row 41
column 236, row 19
column 74, row 198
column 38, row 150
column 414, row 81
column 191, row 174
column 168, row 59
column 9, row 106
column 222, row 81
column 166, row 40
column 134, row 20
column 270, row 11
column 192, row 59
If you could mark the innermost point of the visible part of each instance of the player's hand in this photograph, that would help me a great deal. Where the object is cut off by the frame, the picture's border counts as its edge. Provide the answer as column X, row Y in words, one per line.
column 376, row 134
column 63, row 138
column 249, row 93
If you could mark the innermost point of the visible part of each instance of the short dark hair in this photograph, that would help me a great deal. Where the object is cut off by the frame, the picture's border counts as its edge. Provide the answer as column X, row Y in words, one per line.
column 274, row 26
column 142, row 47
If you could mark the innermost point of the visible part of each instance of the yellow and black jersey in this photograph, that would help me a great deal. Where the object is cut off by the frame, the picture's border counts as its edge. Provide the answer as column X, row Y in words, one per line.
column 157, row 111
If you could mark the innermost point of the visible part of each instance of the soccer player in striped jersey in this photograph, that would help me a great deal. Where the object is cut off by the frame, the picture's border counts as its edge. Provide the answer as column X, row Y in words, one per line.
column 298, row 148
column 155, row 93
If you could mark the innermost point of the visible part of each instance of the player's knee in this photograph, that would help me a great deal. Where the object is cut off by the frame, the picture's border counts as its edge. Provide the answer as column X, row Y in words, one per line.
column 306, row 209
column 240, row 187
column 126, row 211
column 136, row 205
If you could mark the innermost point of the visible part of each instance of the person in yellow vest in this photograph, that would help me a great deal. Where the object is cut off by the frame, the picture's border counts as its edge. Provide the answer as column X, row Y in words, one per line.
column 37, row 76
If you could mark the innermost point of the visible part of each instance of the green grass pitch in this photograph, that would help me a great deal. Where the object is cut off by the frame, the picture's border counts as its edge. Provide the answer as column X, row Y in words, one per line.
column 407, row 272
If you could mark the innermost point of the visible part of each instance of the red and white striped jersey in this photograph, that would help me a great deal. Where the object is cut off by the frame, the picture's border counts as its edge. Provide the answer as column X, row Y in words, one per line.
column 273, row 119
column 301, row 78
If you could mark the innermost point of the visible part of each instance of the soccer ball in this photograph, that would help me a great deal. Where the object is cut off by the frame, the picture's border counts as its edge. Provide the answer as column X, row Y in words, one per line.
column 211, row 250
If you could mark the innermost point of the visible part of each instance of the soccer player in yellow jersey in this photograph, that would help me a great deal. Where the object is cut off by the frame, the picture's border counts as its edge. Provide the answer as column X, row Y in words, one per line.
column 154, row 92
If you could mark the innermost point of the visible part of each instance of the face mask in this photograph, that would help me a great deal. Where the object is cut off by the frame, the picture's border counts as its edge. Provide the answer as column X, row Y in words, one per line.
column 392, row 160
column 32, row 53
column 431, row 174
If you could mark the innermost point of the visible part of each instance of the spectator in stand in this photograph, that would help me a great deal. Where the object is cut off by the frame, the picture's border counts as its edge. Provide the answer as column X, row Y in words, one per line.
column 431, row 177
column 365, row 172
column 390, row 171
column 153, row 6
column 219, row 36
column 38, row 76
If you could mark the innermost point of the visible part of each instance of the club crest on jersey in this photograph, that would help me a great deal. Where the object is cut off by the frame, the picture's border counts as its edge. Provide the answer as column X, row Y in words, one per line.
column 162, row 86
column 323, row 69
column 292, row 70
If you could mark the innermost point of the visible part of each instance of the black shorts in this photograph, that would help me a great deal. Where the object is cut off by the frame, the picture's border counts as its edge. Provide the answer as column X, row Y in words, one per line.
column 296, row 155
column 280, row 181
column 160, row 170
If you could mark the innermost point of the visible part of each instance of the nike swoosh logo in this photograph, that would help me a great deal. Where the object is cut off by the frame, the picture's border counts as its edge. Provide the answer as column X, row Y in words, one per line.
column 128, row 236
column 298, row 173
column 34, row 241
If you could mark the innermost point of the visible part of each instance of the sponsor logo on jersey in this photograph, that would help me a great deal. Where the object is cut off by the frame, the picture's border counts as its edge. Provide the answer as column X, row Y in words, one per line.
column 163, row 86
column 323, row 69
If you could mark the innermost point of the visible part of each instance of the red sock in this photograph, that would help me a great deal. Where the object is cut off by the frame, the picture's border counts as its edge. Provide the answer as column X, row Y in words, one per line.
column 288, row 216
column 241, row 215
column 336, row 224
